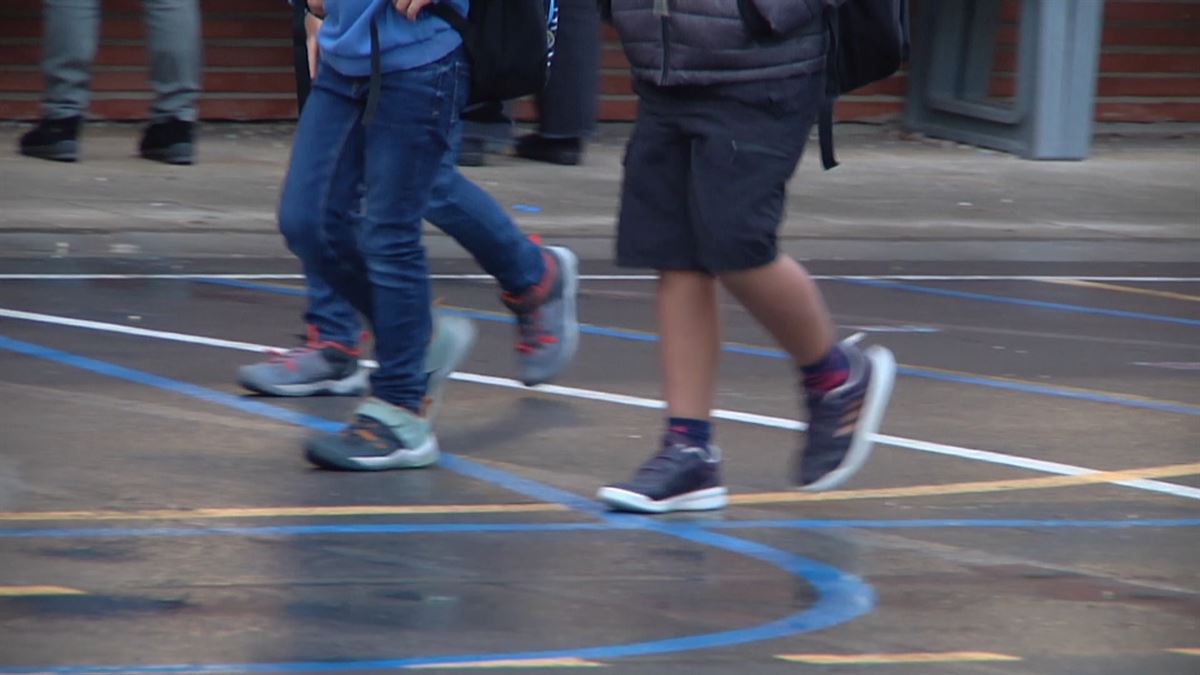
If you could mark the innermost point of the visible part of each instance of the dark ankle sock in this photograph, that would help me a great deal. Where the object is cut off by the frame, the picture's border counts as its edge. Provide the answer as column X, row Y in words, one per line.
column 697, row 432
column 829, row 372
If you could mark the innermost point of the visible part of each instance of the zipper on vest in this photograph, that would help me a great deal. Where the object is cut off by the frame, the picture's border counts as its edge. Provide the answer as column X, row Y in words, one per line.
column 662, row 9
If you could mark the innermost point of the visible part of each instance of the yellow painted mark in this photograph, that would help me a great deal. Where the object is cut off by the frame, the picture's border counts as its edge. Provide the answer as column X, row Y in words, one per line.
column 25, row 591
column 568, row 662
column 974, row 487
column 884, row 659
column 1189, row 651
column 284, row 512
column 1123, row 289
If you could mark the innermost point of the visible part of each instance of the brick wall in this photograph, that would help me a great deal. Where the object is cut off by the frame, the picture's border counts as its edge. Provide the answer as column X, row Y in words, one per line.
column 1150, row 64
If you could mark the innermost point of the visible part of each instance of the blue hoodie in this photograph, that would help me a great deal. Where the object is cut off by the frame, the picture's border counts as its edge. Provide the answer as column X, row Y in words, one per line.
column 345, row 37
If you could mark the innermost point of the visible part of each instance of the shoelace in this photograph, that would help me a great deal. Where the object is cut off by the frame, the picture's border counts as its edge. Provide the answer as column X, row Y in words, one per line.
column 532, row 335
column 312, row 343
column 665, row 461
column 370, row 430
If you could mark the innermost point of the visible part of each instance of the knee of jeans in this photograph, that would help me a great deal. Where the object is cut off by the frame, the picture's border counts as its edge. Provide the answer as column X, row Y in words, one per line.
column 300, row 228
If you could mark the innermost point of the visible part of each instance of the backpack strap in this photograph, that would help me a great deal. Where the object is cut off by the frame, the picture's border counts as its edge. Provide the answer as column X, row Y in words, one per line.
column 445, row 12
column 832, row 89
column 300, row 52
column 375, row 83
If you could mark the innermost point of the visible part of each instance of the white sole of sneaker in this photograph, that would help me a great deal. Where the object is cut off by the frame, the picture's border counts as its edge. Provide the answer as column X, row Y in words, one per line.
column 405, row 458
column 879, row 391
column 707, row 499
column 352, row 385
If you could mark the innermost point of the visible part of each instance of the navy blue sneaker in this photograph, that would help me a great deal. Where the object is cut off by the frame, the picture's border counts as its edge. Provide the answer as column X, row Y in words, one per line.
column 681, row 477
column 843, row 420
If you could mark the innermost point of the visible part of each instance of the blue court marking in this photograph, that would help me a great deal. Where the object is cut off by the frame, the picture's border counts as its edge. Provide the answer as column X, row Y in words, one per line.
column 1016, row 523
column 913, row 371
column 690, row 529
column 1012, row 300
column 840, row 597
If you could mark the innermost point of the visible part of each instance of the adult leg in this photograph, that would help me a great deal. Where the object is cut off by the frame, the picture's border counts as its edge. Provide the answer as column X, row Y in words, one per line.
column 567, row 107
column 69, row 39
column 173, row 39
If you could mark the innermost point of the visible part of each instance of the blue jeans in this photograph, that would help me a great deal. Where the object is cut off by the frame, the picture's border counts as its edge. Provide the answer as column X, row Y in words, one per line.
column 376, row 261
column 466, row 213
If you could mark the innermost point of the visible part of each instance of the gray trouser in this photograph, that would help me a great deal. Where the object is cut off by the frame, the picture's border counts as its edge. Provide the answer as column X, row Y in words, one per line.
column 69, row 48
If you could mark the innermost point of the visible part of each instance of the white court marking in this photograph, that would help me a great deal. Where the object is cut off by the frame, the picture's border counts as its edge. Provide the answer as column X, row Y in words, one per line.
column 608, row 277
column 641, row 402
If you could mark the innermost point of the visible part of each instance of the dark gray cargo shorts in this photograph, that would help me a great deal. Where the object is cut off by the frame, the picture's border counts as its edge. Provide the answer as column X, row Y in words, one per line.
column 706, row 172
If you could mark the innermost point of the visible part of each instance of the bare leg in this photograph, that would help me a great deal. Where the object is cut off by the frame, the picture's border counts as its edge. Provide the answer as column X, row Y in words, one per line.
column 786, row 301
column 689, row 341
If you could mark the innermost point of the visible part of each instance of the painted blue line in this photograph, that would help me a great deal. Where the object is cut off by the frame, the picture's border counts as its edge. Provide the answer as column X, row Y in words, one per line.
column 296, row 530
column 840, row 596
column 1049, row 390
column 140, row 377
column 1011, row 300
column 252, row 285
column 694, row 530
column 520, row 485
column 766, row 352
column 1016, row 523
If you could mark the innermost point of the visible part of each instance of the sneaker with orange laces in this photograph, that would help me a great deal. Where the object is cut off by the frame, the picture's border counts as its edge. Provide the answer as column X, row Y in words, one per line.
column 547, row 325
column 314, row 368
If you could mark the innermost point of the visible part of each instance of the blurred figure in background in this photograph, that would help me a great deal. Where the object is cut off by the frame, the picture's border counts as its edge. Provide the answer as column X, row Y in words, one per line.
column 567, row 108
column 70, row 36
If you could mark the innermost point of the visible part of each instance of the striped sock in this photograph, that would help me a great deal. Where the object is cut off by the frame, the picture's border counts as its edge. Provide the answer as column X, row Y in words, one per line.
column 829, row 372
column 696, row 432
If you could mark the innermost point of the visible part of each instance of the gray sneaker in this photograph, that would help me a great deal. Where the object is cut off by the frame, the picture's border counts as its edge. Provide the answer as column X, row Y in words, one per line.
column 383, row 436
column 453, row 337
column 317, row 367
column 547, row 325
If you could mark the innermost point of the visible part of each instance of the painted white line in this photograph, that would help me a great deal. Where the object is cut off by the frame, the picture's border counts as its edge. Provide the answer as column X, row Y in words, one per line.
column 616, row 277
column 133, row 330
column 642, row 402
column 90, row 277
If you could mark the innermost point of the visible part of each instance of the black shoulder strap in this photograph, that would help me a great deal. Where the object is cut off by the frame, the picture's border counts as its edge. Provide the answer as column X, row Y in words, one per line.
column 374, row 84
column 300, row 52
column 825, row 114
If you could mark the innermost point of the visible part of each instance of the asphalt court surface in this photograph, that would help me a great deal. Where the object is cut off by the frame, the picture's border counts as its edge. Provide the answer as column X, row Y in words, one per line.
column 1031, row 507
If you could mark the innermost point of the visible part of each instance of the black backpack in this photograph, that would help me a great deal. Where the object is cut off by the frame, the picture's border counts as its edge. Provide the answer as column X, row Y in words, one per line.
column 868, row 42
column 509, row 44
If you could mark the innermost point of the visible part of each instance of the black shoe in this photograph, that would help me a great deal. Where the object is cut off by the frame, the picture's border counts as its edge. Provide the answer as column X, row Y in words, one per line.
column 471, row 151
column 56, row 140
column 565, row 151
column 681, row 477
column 170, row 142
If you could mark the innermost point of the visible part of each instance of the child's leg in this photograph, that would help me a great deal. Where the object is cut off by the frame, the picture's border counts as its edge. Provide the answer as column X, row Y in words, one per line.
column 689, row 342
column 402, row 148
column 656, row 230
column 786, row 301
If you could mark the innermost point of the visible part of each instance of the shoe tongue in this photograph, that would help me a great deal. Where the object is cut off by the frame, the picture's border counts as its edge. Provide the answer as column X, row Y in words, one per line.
column 674, row 439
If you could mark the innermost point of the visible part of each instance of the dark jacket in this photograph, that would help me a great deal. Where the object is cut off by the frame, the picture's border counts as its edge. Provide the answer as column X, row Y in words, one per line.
column 702, row 42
